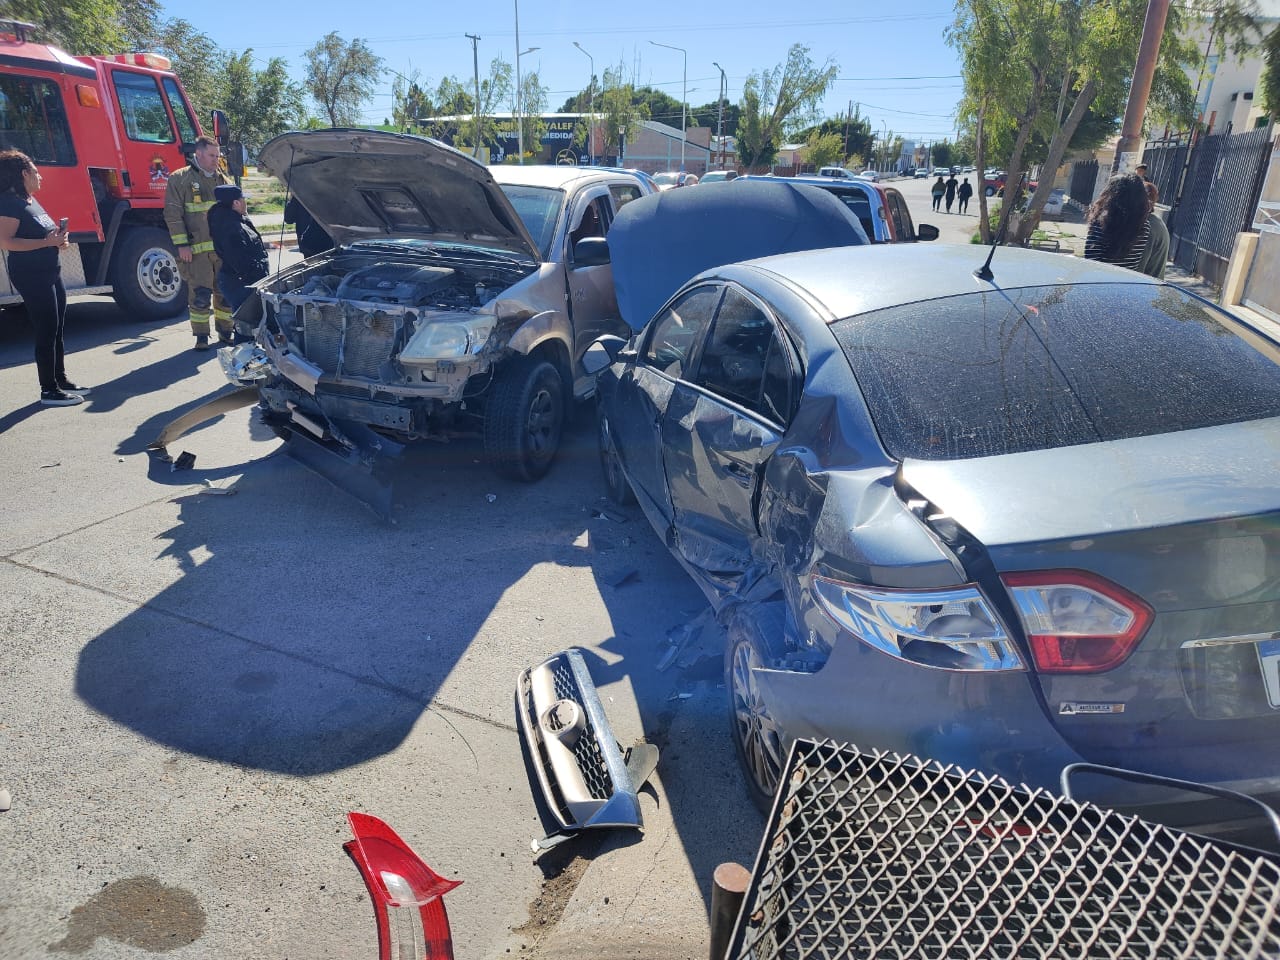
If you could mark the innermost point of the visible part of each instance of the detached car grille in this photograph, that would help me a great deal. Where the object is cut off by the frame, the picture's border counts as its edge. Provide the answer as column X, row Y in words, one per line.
column 881, row 855
column 348, row 341
column 578, row 763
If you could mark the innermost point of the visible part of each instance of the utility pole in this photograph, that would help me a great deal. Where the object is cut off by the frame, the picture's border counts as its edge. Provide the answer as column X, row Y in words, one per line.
column 724, row 92
column 1143, row 71
column 475, row 110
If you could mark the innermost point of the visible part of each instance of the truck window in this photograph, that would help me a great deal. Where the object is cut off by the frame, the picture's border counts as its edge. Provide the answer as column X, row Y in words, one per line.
column 32, row 119
column 186, row 126
column 142, row 107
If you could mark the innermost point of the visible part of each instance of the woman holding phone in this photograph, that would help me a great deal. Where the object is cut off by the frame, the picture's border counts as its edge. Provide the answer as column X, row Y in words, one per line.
column 32, row 241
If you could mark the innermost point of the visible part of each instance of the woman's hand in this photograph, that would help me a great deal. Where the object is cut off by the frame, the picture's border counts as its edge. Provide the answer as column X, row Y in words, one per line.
column 59, row 238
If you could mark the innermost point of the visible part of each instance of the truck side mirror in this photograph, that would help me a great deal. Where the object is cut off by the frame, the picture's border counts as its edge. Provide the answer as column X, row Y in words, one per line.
column 591, row 252
column 221, row 128
column 926, row 231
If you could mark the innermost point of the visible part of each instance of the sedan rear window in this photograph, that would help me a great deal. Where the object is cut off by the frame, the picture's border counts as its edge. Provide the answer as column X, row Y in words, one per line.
column 1036, row 368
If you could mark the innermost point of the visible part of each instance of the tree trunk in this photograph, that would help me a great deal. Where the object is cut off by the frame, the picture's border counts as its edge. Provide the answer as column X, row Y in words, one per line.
column 1013, row 176
column 980, row 148
column 1057, row 149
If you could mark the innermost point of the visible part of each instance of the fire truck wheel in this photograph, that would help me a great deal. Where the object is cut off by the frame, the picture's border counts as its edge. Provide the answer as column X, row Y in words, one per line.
column 144, row 275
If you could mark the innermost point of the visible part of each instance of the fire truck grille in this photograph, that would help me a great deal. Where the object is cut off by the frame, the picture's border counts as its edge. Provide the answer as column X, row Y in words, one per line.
column 354, row 343
column 886, row 856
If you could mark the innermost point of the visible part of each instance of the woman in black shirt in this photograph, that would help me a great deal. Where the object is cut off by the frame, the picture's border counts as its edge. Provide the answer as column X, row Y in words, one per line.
column 32, row 241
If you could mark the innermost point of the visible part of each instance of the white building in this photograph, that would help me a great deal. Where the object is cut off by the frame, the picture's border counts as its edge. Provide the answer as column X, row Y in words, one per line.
column 1229, row 97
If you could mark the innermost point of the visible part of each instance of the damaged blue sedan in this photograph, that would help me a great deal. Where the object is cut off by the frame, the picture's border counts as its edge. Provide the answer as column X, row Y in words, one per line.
column 1011, row 517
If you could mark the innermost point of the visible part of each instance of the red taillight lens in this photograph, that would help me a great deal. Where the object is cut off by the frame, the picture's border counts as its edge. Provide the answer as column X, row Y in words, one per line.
column 1077, row 622
column 406, row 893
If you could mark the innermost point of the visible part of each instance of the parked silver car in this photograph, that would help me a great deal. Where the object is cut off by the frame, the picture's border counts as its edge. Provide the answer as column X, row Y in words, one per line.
column 459, row 298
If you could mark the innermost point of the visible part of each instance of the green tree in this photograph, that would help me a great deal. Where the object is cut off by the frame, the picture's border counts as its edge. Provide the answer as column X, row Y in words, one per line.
column 81, row 27
column 618, row 107
column 409, row 102
column 259, row 103
column 1271, row 74
column 824, row 149
column 1034, row 70
column 779, row 101
column 533, row 104
column 942, row 153
column 341, row 77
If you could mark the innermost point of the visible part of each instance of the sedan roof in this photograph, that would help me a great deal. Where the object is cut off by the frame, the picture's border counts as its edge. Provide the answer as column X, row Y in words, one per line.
column 853, row 280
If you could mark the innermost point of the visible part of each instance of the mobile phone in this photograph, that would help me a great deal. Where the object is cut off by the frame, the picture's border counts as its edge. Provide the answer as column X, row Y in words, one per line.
column 62, row 224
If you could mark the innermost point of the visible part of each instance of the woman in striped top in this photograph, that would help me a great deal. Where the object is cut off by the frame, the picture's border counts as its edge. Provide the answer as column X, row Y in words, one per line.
column 1118, row 228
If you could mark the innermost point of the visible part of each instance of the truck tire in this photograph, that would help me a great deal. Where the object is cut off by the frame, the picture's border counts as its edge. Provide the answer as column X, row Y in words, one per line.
column 524, row 418
column 145, row 281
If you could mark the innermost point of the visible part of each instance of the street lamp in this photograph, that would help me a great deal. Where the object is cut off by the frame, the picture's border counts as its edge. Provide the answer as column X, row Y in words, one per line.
column 724, row 92
column 520, row 100
column 684, row 94
column 591, row 87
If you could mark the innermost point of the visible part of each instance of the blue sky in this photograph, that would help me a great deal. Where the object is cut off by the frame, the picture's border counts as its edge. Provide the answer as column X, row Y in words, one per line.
column 893, row 60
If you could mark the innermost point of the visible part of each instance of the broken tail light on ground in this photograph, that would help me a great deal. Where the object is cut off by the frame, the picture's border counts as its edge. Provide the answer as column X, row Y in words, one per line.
column 406, row 893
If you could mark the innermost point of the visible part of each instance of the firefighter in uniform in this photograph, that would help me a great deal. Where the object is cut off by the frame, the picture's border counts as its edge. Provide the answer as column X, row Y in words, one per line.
column 187, row 200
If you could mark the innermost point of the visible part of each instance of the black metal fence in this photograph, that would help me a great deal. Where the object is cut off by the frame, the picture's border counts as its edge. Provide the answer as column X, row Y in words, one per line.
column 1219, row 195
column 1165, row 160
column 1084, row 177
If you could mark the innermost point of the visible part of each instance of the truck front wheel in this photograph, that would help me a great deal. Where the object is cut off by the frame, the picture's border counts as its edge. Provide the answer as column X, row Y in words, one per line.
column 524, row 418
column 144, row 275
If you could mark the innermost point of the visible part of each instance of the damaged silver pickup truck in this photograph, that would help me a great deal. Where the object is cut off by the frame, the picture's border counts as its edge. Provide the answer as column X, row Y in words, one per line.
column 458, row 300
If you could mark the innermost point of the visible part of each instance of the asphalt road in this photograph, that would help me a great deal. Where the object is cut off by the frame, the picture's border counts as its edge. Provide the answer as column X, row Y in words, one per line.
column 196, row 685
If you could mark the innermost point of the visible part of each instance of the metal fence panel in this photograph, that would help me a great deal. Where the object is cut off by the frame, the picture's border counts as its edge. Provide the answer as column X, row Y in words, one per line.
column 1084, row 174
column 1165, row 160
column 1219, row 195
column 888, row 856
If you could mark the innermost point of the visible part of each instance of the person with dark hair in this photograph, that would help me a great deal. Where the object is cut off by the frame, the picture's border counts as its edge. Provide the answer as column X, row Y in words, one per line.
column 33, row 242
column 242, row 256
column 1156, row 254
column 1118, row 226
column 952, row 184
column 187, row 198
column 938, row 189
column 963, row 193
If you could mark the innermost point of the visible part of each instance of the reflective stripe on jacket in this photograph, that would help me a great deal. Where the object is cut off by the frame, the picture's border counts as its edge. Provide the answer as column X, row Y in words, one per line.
column 187, row 199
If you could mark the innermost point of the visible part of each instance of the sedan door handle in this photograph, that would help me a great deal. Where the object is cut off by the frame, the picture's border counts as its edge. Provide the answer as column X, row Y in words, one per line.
column 742, row 474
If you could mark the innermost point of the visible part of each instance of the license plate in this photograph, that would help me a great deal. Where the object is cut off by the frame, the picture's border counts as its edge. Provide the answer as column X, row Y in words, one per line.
column 1269, row 661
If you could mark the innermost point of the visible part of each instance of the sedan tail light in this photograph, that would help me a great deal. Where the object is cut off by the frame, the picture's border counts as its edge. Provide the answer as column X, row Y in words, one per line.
column 1077, row 622
column 953, row 628
column 406, row 893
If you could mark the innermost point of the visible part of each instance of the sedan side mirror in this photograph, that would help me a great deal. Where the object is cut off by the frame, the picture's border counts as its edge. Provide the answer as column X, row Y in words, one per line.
column 591, row 252
column 603, row 352
column 926, row 231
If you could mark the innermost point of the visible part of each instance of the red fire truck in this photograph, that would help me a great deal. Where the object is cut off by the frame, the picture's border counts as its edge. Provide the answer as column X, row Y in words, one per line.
column 105, row 133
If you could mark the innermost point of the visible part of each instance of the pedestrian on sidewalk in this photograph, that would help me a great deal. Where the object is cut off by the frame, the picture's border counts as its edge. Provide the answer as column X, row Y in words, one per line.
column 241, row 253
column 938, row 189
column 952, row 184
column 963, row 193
column 1118, row 226
column 1156, row 255
column 33, row 242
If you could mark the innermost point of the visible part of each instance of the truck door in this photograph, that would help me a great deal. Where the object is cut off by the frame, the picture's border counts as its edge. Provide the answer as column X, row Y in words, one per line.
column 152, row 139
column 36, row 117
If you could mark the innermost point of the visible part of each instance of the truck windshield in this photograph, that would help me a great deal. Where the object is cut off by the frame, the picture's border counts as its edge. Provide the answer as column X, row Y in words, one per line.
column 142, row 107
column 32, row 119
column 186, row 125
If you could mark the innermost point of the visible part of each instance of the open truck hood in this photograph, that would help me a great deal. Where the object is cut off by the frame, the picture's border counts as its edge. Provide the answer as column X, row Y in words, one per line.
column 371, row 185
